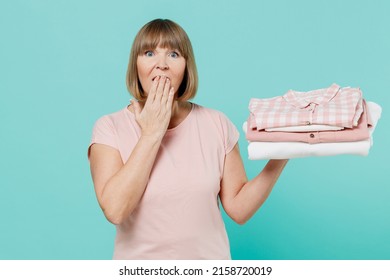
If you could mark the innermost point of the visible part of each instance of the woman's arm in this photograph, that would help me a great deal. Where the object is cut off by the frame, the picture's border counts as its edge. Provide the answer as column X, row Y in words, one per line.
column 119, row 187
column 241, row 198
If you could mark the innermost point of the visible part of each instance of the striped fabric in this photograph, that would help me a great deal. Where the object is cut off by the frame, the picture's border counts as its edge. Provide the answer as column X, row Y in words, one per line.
column 329, row 106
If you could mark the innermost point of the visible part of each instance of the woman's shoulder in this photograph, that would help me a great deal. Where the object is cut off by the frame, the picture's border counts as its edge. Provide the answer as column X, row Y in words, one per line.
column 117, row 115
column 115, row 118
column 216, row 122
column 210, row 112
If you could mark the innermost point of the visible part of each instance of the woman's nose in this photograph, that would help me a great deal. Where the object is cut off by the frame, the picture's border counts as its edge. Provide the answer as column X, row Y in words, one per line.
column 162, row 63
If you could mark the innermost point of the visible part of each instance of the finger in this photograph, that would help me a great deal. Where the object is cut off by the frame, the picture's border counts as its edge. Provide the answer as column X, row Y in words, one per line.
column 160, row 88
column 167, row 88
column 171, row 96
column 152, row 92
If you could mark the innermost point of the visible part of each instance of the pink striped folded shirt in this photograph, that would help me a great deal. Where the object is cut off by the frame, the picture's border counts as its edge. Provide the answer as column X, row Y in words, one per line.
column 358, row 133
column 329, row 106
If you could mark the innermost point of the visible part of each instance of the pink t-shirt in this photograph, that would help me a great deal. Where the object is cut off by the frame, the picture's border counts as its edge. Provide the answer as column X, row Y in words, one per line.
column 178, row 216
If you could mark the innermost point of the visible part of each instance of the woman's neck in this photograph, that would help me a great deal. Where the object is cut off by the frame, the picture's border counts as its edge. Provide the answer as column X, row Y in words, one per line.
column 180, row 110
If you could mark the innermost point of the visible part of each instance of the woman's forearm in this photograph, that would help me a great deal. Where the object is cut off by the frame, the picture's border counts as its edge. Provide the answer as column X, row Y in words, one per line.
column 123, row 191
column 254, row 192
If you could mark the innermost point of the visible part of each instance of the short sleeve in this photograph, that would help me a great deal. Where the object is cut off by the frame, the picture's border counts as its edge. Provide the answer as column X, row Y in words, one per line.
column 230, row 133
column 103, row 133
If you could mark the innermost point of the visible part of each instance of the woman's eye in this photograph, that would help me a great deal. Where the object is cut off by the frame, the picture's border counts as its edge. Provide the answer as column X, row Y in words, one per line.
column 149, row 53
column 174, row 54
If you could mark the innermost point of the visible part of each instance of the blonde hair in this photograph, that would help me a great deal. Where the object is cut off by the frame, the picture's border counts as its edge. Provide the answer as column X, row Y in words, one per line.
column 166, row 34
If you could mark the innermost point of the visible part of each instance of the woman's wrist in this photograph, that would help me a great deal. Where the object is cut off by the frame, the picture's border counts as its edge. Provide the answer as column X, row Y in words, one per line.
column 152, row 138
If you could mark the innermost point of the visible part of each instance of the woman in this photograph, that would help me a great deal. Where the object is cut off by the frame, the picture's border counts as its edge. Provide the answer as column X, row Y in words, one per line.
column 160, row 164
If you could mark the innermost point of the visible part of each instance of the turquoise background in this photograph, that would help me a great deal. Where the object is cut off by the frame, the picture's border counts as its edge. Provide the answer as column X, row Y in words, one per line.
column 63, row 65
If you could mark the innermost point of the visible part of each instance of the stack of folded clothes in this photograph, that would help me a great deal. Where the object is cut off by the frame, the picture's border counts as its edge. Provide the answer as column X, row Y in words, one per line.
column 323, row 122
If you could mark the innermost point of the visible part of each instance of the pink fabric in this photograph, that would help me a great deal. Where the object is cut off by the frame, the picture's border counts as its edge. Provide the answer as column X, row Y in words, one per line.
column 346, row 135
column 178, row 216
column 330, row 106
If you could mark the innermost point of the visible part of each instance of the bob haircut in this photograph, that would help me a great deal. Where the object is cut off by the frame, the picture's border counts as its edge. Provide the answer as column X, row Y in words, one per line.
column 166, row 34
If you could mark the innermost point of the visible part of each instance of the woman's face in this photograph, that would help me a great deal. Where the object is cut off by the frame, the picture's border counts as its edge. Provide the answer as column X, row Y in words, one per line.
column 161, row 62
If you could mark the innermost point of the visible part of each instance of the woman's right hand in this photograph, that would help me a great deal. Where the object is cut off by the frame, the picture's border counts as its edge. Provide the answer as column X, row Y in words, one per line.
column 155, row 116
